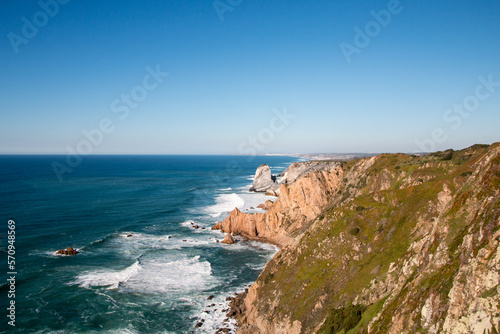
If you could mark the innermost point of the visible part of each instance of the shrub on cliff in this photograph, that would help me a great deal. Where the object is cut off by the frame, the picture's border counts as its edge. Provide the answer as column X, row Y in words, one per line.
column 343, row 319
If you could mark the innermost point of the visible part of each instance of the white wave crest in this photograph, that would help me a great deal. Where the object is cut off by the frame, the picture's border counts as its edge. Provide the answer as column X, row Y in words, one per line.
column 111, row 278
column 225, row 203
column 188, row 223
column 155, row 275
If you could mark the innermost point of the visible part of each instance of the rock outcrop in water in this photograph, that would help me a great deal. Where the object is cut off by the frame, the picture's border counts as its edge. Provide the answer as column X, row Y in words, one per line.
column 388, row 244
column 67, row 251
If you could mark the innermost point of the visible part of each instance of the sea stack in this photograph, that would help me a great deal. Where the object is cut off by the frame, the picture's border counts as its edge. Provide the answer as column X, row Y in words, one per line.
column 263, row 180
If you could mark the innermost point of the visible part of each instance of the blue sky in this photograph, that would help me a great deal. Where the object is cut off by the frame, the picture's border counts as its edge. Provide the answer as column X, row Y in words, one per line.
column 233, row 65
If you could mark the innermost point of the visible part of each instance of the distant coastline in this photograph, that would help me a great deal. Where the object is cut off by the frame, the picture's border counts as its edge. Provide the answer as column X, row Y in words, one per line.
column 326, row 156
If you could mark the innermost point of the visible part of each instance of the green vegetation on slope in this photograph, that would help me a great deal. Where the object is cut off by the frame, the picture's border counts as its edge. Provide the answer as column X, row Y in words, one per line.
column 368, row 226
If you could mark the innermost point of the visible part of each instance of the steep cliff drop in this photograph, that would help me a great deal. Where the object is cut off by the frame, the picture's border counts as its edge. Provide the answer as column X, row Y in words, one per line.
column 388, row 244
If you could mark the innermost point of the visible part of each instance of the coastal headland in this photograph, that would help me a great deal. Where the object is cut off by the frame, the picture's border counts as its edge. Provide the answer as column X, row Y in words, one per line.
column 392, row 243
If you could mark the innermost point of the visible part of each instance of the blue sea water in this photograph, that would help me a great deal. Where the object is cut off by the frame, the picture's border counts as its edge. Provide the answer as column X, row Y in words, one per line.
column 155, row 281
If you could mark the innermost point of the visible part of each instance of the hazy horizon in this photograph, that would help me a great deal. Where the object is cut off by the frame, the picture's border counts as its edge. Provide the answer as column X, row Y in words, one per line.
column 244, row 78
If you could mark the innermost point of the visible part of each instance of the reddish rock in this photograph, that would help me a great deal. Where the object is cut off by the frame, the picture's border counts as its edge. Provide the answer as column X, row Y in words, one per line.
column 272, row 192
column 67, row 251
column 298, row 204
column 266, row 206
column 228, row 239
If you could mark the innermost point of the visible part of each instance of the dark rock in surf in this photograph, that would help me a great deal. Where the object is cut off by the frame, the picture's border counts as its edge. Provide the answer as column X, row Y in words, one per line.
column 67, row 251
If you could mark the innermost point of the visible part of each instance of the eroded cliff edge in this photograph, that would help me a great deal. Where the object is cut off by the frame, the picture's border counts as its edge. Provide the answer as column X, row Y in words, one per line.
column 300, row 200
column 388, row 244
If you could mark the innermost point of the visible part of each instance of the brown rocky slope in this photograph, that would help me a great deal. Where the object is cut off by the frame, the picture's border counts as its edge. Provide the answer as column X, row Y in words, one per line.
column 291, row 214
column 388, row 244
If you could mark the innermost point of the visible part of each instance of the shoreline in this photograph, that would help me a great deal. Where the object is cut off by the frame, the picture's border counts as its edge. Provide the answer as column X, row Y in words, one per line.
column 301, row 193
column 233, row 301
column 236, row 301
column 236, row 305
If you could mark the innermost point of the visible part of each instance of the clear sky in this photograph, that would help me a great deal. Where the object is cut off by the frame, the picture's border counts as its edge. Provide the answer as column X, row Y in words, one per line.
column 345, row 76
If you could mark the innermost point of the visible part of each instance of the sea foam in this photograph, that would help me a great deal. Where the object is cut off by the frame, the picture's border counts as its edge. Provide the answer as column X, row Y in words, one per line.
column 225, row 203
column 109, row 278
column 153, row 275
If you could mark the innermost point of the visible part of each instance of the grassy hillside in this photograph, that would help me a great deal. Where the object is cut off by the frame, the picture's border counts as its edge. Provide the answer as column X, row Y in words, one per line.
column 394, row 239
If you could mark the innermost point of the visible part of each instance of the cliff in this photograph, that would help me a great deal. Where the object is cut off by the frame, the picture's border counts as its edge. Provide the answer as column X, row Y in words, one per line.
column 294, row 210
column 388, row 244
column 263, row 180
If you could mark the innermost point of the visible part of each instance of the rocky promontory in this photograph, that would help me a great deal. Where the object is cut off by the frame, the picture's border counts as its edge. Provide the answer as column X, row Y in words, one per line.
column 299, row 202
column 264, row 181
column 388, row 244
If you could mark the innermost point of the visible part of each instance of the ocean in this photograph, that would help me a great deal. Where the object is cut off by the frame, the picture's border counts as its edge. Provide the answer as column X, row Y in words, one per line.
column 142, row 267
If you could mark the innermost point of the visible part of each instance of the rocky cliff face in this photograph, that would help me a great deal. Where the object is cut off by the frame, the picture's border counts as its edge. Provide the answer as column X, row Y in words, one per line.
column 291, row 214
column 263, row 180
column 299, row 169
column 388, row 244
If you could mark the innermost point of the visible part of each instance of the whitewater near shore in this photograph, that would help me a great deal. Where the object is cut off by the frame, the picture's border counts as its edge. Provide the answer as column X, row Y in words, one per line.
column 142, row 265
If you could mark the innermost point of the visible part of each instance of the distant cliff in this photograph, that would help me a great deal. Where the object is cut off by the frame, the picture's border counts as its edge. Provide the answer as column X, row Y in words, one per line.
column 387, row 244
